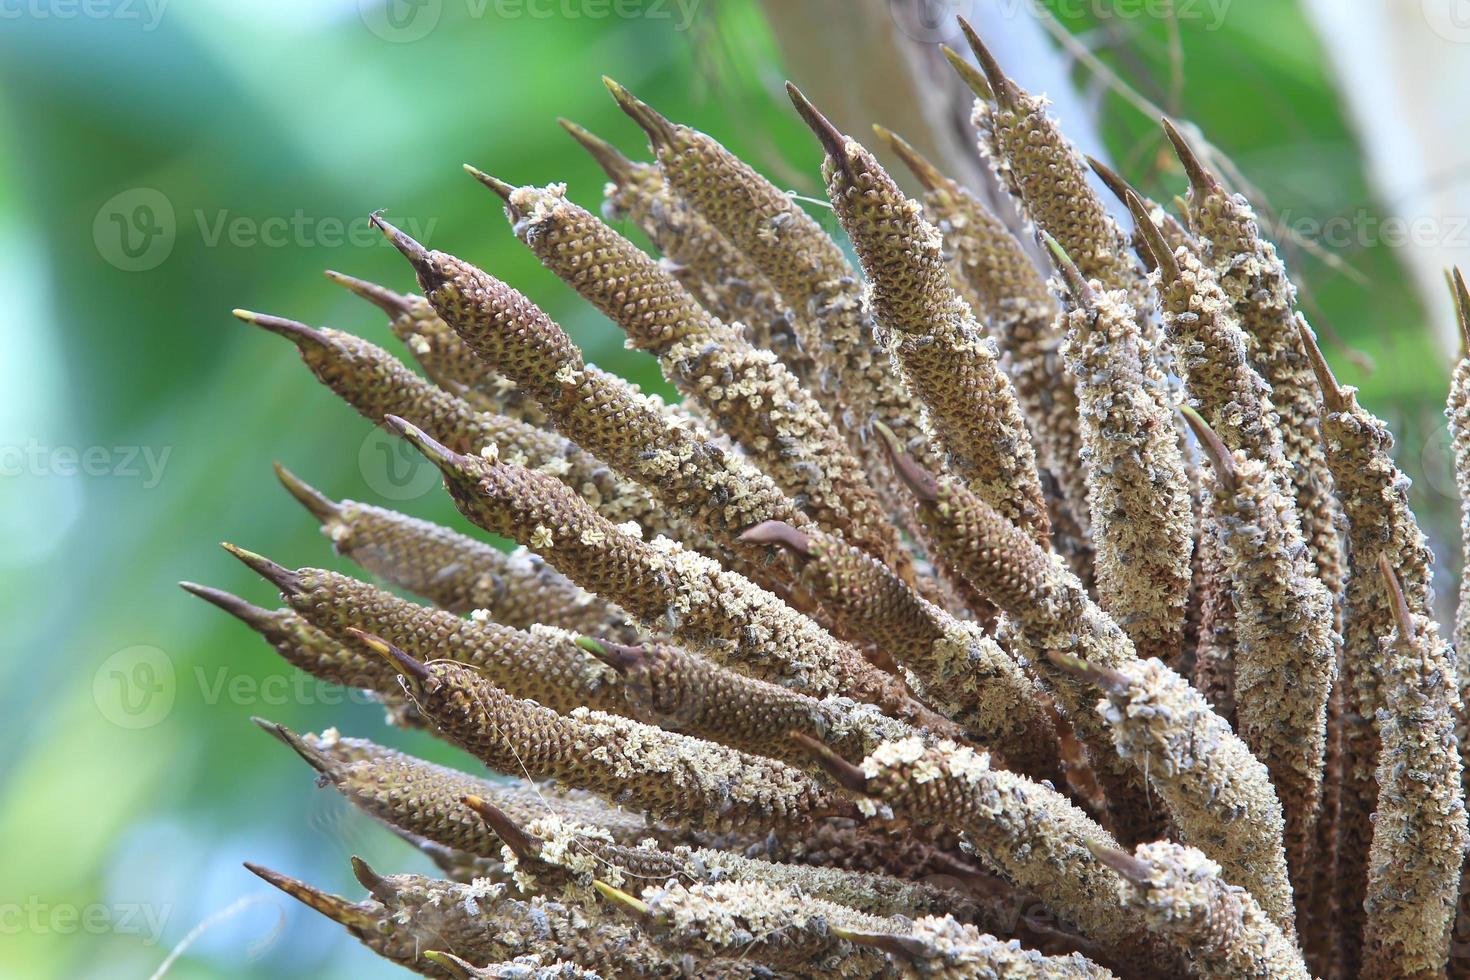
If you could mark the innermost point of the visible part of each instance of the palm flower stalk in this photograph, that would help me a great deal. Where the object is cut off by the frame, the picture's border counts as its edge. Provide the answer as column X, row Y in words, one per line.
column 929, row 510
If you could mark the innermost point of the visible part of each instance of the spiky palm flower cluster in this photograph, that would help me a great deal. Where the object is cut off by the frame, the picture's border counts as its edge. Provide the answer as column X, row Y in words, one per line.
column 959, row 622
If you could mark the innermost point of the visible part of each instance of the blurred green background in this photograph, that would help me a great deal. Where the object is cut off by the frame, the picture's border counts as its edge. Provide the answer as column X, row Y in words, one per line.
column 159, row 167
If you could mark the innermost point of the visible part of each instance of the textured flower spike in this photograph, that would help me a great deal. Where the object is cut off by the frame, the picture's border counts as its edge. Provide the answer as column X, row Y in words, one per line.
column 1375, row 499
column 996, row 276
column 1142, row 520
column 1255, row 279
column 777, row 927
column 1175, row 234
column 935, row 946
column 1029, row 832
column 377, row 384
column 443, row 356
column 1219, row 795
column 695, row 252
column 674, row 689
column 1457, row 411
column 720, row 612
column 963, row 671
column 1048, row 609
column 750, row 394
column 971, row 406
column 806, row 266
column 1219, row 926
column 681, row 779
column 1419, row 829
column 454, row 571
column 520, row 968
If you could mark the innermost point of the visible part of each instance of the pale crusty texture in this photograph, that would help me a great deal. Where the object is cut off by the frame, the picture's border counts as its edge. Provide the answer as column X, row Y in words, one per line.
column 722, row 613
column 1419, row 829
column 1457, row 411
column 960, row 668
column 755, row 400
column 969, row 403
column 941, row 947
column 1030, row 833
column 1219, row 926
column 1219, row 795
column 683, row 780
column 1138, row 490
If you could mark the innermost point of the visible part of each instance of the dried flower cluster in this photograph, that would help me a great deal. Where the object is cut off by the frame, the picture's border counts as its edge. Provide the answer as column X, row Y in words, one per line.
column 964, row 620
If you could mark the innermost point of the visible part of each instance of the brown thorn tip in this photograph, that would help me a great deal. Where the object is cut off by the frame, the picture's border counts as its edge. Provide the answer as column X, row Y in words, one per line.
column 1332, row 393
column 401, row 661
column 621, row 898
column 246, row 612
column 779, row 533
column 451, row 964
column 319, row 761
column 1137, row 871
column 1201, row 181
column 618, row 656
column 659, row 129
column 1403, row 618
column 417, row 255
column 1109, row 680
column 1462, row 306
column 847, row 775
column 378, row 886
column 827, row 134
column 497, row 185
column 969, row 74
column 322, row 507
column 1072, row 277
column 524, row 845
column 1003, row 90
column 919, row 482
column 385, row 299
column 928, row 175
column 334, row 907
column 282, row 577
column 618, row 168
column 1152, row 237
column 896, row 944
column 435, row 451
column 1210, row 442
column 293, row 330
column 1111, row 179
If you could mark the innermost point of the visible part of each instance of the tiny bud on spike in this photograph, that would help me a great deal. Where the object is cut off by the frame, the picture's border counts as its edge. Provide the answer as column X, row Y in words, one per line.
column 401, row 661
column 385, row 299
column 1109, row 680
column 924, row 172
column 833, row 142
column 621, row 898
column 322, row 507
column 296, row 743
column 298, row 333
column 895, row 944
column 1162, row 253
column 659, row 130
column 779, row 533
column 282, row 577
column 417, row 255
column 451, row 964
column 618, row 168
column 968, row 73
column 246, row 612
column 846, row 774
column 497, row 185
column 616, row 655
column 378, row 886
column 1213, row 446
column 334, row 907
column 1130, row 867
column 920, row 483
column 524, row 845
column 1332, row 395
column 1072, row 277
column 1003, row 90
column 1201, row 181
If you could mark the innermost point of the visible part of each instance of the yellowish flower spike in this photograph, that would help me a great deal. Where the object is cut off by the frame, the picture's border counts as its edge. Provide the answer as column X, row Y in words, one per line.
column 684, row 781
column 749, row 392
column 1142, row 520
column 663, row 685
column 1375, row 499
column 1049, row 610
column 1219, row 795
column 720, row 612
column 445, row 359
column 960, row 669
column 1286, row 644
column 454, row 571
column 995, row 275
column 808, row 269
column 1027, row 831
column 970, row 404
column 1254, row 277
column 377, row 384
column 695, row 252
column 1419, row 829
column 1218, row 925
